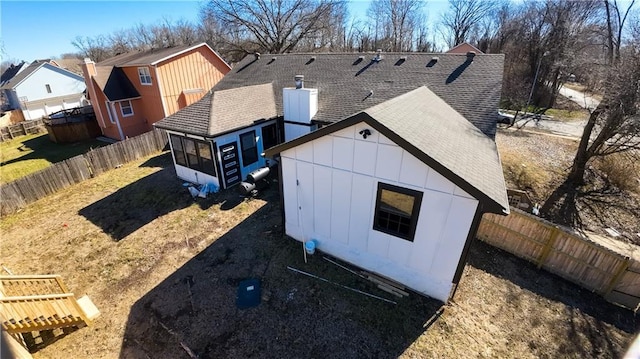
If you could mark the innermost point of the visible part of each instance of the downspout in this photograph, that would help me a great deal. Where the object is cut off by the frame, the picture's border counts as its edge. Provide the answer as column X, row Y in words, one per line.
column 115, row 114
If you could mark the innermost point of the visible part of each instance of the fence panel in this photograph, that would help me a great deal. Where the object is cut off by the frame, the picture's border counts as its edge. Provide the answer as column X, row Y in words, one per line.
column 601, row 265
column 28, row 189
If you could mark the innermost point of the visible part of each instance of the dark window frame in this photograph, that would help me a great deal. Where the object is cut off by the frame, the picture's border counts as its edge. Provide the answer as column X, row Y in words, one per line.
column 384, row 219
column 265, row 130
column 249, row 154
column 196, row 160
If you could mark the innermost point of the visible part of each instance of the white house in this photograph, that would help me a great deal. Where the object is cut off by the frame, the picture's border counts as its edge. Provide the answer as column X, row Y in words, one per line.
column 43, row 88
column 387, row 161
column 398, row 189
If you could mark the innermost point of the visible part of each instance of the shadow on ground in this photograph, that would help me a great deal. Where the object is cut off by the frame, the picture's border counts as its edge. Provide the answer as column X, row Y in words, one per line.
column 44, row 148
column 137, row 204
column 300, row 317
column 589, row 314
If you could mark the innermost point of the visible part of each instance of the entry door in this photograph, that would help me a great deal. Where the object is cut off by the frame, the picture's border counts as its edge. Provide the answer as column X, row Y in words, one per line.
column 230, row 163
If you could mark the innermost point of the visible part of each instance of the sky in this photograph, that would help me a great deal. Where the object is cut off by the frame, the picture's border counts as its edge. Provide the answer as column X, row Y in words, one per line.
column 31, row 30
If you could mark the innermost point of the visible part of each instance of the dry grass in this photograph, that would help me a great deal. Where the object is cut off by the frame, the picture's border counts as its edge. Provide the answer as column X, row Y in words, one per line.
column 149, row 256
column 622, row 170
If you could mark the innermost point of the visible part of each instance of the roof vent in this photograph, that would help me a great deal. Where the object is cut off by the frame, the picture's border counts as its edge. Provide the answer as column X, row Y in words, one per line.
column 432, row 62
column 257, row 55
column 401, row 61
column 312, row 59
column 378, row 56
column 299, row 79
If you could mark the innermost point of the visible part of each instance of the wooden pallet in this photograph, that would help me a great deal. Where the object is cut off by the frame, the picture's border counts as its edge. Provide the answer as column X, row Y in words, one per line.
column 41, row 302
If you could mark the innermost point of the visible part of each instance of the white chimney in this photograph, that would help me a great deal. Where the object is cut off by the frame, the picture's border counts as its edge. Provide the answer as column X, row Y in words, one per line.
column 300, row 104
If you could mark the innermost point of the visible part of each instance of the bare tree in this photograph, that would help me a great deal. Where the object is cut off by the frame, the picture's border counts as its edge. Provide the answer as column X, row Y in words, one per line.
column 613, row 127
column 462, row 18
column 274, row 26
column 395, row 23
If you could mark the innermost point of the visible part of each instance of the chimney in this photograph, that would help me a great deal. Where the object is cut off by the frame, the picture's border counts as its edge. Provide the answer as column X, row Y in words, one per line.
column 299, row 105
column 299, row 80
column 471, row 55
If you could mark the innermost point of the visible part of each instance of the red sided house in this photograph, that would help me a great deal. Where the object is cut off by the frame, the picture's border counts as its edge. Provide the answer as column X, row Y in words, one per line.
column 386, row 160
column 132, row 91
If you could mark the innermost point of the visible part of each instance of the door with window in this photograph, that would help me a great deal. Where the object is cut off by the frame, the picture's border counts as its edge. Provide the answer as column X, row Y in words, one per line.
column 230, row 163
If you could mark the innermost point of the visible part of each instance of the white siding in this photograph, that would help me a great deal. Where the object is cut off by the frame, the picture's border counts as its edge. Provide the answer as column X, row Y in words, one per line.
column 61, row 83
column 334, row 198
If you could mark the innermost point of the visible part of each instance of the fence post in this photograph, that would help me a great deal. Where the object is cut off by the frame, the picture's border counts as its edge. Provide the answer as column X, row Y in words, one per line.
column 617, row 276
column 548, row 246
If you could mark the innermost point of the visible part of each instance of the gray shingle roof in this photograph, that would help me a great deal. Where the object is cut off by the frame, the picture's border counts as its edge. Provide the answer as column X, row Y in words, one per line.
column 10, row 72
column 434, row 132
column 255, row 103
column 33, row 67
column 114, row 83
column 344, row 82
column 148, row 57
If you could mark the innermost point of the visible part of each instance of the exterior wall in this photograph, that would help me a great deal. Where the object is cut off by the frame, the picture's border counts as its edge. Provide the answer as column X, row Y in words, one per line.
column 135, row 124
column 194, row 176
column 34, row 110
column 235, row 136
column 151, row 109
column 187, row 173
column 61, row 82
column 199, row 68
column 330, row 186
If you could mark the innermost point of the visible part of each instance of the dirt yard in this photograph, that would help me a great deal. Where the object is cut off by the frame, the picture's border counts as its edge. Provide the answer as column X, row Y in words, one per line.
column 164, row 271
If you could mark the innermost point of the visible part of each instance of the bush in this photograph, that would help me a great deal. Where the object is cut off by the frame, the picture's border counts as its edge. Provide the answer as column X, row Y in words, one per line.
column 620, row 170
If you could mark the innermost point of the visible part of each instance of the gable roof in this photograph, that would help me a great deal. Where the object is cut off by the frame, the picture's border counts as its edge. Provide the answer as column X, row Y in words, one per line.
column 114, row 83
column 152, row 56
column 463, row 48
column 11, row 71
column 432, row 131
column 351, row 82
column 33, row 67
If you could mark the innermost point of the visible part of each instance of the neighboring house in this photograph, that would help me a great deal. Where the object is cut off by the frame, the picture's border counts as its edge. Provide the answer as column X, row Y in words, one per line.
column 464, row 48
column 131, row 91
column 389, row 160
column 41, row 89
column 11, row 71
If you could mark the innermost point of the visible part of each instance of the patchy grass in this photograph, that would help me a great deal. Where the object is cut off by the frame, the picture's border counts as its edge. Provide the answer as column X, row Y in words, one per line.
column 622, row 170
column 27, row 154
column 164, row 269
column 567, row 115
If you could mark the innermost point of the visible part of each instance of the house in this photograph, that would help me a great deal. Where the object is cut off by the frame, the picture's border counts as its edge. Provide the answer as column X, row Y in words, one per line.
column 386, row 160
column 42, row 88
column 464, row 48
column 132, row 91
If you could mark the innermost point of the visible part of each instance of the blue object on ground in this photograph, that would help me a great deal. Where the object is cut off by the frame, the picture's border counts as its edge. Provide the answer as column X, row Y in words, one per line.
column 249, row 293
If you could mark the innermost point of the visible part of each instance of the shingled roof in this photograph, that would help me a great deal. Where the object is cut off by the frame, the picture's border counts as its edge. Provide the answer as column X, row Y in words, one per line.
column 33, row 67
column 431, row 130
column 351, row 82
column 114, row 83
column 148, row 57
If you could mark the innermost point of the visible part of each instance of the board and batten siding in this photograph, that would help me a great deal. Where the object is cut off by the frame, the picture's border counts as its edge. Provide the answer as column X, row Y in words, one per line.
column 330, row 186
column 195, row 70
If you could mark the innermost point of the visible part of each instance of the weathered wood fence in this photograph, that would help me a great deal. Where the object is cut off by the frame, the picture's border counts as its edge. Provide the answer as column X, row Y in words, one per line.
column 605, row 266
column 28, row 189
column 21, row 129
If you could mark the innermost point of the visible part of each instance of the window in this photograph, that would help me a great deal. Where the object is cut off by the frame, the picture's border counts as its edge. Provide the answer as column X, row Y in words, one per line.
column 48, row 87
column 126, row 108
column 249, row 148
column 178, row 150
column 193, row 153
column 145, row 76
column 397, row 211
column 269, row 136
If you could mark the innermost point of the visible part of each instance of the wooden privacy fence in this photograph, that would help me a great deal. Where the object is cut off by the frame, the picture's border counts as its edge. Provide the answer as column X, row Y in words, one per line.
column 21, row 129
column 606, row 266
column 28, row 189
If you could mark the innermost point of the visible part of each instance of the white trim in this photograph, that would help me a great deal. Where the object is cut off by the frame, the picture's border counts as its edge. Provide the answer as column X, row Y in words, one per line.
column 164, row 104
column 122, row 108
column 113, row 107
column 109, row 112
column 74, row 75
column 189, row 49
column 147, row 74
